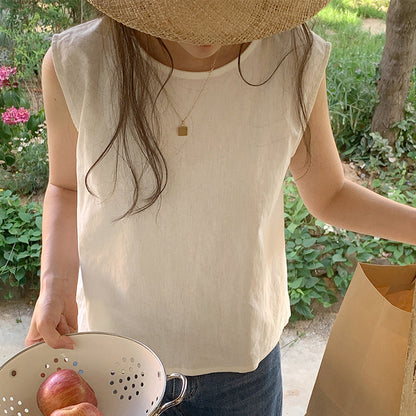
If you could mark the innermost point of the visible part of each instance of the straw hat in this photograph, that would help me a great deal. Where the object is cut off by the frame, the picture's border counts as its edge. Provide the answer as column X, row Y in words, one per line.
column 205, row 22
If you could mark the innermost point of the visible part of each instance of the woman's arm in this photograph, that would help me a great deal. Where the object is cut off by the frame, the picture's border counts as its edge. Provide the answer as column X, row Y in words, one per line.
column 338, row 201
column 56, row 310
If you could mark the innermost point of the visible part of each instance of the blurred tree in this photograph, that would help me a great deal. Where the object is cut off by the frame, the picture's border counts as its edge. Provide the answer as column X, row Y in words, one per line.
column 397, row 63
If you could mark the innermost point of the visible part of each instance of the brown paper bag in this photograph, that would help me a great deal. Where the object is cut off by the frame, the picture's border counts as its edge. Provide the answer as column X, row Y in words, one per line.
column 362, row 370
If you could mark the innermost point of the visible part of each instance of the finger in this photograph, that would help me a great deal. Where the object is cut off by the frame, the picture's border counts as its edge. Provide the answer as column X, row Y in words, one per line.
column 72, row 319
column 53, row 337
column 32, row 338
column 64, row 327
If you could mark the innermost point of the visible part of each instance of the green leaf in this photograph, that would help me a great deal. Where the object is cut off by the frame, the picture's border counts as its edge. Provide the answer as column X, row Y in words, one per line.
column 311, row 281
column 292, row 227
column 410, row 259
column 303, row 310
column 376, row 183
column 9, row 159
column 21, row 256
column 20, row 274
column 38, row 222
column 8, row 255
column 296, row 284
column 24, row 216
column 11, row 240
column 309, row 242
column 351, row 250
column 11, row 98
column 338, row 258
column 23, row 239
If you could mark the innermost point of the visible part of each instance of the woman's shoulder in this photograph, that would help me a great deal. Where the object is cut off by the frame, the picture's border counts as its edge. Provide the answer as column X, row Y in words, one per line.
column 285, row 39
column 321, row 45
column 283, row 44
column 83, row 33
column 79, row 47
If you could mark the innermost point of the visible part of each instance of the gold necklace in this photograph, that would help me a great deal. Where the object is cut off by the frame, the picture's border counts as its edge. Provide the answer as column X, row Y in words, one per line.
column 183, row 129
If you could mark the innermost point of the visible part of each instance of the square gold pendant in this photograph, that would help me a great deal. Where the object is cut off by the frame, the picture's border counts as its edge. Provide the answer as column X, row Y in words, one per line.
column 182, row 131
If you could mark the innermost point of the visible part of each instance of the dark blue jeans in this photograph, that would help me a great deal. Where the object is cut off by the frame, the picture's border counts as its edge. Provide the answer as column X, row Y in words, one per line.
column 257, row 393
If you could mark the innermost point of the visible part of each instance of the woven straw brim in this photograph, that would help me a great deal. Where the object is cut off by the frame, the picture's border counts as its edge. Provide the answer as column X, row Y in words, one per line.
column 203, row 22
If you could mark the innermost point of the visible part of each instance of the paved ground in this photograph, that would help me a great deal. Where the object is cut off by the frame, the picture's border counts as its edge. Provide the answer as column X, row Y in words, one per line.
column 302, row 347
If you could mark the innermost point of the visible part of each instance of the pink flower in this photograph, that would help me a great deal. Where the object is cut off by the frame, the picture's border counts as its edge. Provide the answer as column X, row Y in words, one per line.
column 5, row 73
column 13, row 115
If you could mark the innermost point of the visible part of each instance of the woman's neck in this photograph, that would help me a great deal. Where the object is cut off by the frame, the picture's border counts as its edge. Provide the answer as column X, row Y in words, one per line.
column 185, row 61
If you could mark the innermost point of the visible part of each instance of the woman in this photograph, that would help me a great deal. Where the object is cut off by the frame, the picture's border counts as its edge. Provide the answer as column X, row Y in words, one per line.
column 171, row 127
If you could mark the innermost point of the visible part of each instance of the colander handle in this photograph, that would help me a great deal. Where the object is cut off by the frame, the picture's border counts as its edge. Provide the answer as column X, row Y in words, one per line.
column 179, row 399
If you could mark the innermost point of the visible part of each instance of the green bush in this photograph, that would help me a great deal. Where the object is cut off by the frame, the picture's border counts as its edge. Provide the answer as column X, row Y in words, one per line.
column 20, row 241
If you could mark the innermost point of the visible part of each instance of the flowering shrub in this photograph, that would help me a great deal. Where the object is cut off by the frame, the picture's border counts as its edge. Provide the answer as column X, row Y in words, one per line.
column 5, row 73
column 14, row 116
column 17, row 126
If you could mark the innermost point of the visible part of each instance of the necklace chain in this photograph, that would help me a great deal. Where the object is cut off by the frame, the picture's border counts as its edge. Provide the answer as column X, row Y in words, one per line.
column 183, row 129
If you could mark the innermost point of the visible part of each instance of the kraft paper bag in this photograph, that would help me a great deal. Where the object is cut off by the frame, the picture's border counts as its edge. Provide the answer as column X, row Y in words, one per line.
column 362, row 370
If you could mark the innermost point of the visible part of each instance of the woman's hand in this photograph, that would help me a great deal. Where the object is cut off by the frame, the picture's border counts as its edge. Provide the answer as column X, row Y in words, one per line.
column 55, row 315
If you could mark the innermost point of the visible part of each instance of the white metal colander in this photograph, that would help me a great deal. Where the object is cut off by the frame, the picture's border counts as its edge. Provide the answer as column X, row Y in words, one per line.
column 127, row 377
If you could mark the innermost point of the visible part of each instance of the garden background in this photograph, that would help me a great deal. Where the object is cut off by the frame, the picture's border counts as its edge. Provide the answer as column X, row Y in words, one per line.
column 321, row 258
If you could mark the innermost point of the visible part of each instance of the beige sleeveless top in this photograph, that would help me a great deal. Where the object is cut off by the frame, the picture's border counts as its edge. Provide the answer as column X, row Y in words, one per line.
column 200, row 277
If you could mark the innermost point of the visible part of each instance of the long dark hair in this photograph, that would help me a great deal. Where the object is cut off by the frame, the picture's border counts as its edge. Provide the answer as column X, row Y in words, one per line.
column 135, row 82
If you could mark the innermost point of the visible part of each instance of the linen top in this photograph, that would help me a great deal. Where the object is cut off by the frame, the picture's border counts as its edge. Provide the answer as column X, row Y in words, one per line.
column 200, row 276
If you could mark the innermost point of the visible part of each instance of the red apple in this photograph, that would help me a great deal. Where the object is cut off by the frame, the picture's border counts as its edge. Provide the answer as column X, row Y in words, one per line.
column 64, row 388
column 80, row 409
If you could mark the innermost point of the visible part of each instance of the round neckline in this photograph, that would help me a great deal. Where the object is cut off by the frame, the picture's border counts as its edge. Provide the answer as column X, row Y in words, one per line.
column 180, row 73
